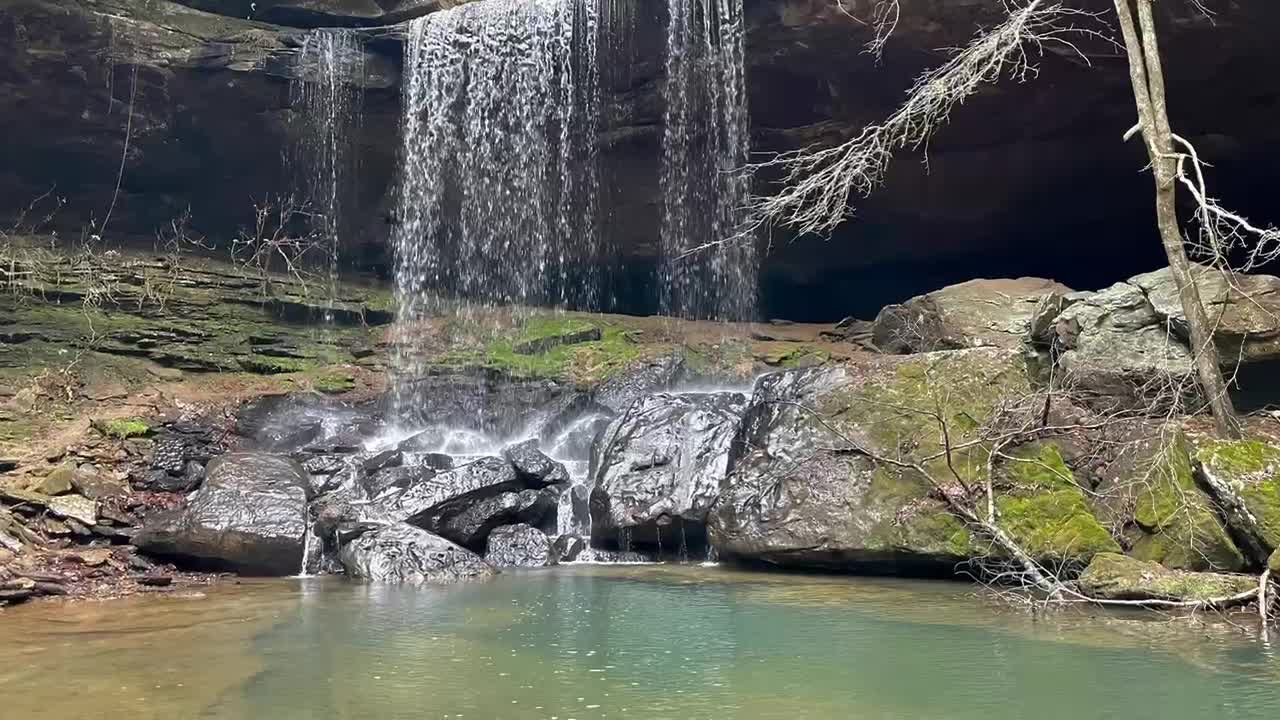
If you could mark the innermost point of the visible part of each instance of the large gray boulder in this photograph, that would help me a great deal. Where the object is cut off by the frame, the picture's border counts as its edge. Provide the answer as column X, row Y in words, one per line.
column 518, row 546
column 1243, row 309
column 248, row 516
column 1117, row 352
column 661, row 463
column 533, row 466
column 977, row 313
column 405, row 554
column 1127, row 345
column 804, row 489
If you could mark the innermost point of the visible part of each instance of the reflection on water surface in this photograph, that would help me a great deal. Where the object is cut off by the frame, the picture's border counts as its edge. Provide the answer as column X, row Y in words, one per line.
column 644, row 642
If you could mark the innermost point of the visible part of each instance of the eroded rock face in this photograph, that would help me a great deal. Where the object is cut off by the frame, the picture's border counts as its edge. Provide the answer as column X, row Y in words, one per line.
column 518, row 546
column 323, row 13
column 405, row 554
column 796, row 497
column 978, row 313
column 248, row 516
column 211, row 94
column 645, row 378
column 661, row 463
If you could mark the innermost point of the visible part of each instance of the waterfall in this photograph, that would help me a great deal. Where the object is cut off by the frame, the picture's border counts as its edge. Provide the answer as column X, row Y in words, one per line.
column 498, row 197
column 326, row 117
column 704, row 150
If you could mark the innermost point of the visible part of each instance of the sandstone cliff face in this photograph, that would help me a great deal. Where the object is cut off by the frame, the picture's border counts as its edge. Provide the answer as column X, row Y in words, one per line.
column 1030, row 177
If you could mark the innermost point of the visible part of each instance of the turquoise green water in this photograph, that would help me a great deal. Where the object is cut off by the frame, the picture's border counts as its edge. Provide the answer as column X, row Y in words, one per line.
column 638, row 642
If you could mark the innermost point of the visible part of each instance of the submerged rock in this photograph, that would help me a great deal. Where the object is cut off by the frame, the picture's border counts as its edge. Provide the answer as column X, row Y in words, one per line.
column 662, row 463
column 1112, row 576
column 518, row 546
column 405, row 554
column 248, row 516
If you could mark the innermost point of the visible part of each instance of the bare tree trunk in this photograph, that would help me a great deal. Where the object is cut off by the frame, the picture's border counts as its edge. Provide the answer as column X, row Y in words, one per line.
column 1147, row 74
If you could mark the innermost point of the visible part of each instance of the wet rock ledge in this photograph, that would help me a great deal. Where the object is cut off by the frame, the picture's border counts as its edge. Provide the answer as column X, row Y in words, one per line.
column 797, row 448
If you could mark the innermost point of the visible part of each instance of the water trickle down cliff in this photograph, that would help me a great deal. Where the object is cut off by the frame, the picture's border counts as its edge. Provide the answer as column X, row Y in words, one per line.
column 498, row 185
column 708, row 271
column 320, row 157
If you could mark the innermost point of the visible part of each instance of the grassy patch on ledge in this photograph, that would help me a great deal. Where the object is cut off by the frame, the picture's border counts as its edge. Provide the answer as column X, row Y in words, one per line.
column 123, row 428
column 583, row 363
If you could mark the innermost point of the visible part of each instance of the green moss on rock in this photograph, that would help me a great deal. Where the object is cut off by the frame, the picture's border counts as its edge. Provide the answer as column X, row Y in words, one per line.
column 584, row 363
column 1044, row 510
column 1252, row 468
column 1179, row 528
column 962, row 387
column 1038, row 502
column 906, row 518
column 123, row 428
column 270, row 365
column 333, row 382
column 1116, row 577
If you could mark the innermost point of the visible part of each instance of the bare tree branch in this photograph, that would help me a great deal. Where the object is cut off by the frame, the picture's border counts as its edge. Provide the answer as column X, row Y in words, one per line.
column 817, row 185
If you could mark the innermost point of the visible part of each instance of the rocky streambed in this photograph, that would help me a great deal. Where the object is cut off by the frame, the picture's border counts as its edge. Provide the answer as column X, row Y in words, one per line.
column 1063, row 418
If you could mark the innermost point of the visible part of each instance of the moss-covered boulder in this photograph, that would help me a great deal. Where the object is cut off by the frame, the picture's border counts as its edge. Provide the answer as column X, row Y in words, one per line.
column 1042, row 507
column 1251, row 470
column 1150, row 495
column 1113, row 576
column 817, row 474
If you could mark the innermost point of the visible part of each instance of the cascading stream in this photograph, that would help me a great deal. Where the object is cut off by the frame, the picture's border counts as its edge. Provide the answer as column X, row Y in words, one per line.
column 326, row 116
column 709, row 264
